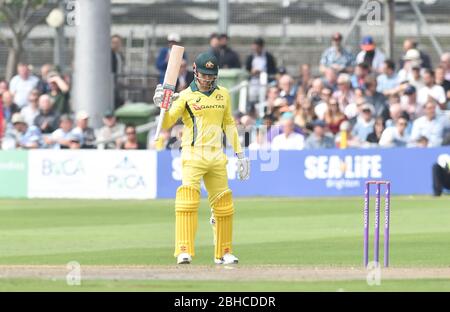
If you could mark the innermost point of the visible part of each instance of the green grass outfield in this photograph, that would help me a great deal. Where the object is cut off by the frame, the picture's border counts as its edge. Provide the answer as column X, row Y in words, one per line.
column 276, row 231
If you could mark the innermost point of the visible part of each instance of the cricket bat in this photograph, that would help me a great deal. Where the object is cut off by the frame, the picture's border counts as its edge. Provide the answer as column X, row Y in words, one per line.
column 170, row 81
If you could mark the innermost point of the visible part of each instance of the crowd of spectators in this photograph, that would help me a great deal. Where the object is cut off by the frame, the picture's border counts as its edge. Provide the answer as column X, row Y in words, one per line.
column 353, row 99
column 356, row 100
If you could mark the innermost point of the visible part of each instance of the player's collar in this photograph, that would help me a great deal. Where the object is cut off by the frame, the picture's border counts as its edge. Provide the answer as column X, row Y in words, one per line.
column 194, row 88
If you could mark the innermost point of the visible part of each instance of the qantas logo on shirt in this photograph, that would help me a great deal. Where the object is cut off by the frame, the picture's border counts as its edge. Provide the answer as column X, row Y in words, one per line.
column 198, row 107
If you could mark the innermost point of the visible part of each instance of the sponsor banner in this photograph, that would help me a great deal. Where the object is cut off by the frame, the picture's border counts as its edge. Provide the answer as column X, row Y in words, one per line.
column 318, row 172
column 13, row 174
column 92, row 174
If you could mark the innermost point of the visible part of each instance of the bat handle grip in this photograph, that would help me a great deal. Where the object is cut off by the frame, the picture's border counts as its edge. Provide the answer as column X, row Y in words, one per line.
column 159, row 126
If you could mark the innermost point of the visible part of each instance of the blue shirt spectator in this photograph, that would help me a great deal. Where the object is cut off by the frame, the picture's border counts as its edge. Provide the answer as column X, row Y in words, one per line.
column 319, row 138
column 364, row 124
column 430, row 125
column 336, row 56
column 25, row 136
column 388, row 82
column 163, row 56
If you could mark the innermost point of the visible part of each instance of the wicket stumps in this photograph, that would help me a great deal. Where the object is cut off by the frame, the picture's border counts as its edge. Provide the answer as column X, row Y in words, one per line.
column 387, row 207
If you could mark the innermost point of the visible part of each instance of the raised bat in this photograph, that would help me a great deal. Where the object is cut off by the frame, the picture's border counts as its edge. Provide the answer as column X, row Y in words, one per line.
column 170, row 81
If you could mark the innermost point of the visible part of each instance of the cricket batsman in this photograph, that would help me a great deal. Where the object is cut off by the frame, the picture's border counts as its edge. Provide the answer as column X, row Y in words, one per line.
column 205, row 109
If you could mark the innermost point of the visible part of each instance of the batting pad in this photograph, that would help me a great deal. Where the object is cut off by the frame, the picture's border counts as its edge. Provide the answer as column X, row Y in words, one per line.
column 223, row 212
column 186, row 215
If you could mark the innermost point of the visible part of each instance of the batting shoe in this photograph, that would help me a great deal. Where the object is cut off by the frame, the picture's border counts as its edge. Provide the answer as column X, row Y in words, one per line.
column 184, row 258
column 227, row 259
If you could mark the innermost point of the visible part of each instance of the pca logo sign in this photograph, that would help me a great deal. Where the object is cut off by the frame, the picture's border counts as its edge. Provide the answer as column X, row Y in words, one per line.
column 125, row 176
column 343, row 172
column 69, row 167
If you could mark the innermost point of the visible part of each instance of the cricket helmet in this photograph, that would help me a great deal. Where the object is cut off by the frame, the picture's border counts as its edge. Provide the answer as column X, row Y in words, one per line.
column 206, row 63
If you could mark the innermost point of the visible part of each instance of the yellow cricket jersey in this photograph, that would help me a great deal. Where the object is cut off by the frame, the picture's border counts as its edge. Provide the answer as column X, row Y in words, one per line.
column 206, row 116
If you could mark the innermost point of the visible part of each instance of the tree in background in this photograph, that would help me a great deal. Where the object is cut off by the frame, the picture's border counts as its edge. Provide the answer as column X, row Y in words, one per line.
column 19, row 17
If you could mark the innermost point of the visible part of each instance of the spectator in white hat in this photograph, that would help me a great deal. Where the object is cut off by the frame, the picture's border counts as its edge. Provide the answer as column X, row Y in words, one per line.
column 163, row 56
column 25, row 136
column 85, row 132
column 411, row 61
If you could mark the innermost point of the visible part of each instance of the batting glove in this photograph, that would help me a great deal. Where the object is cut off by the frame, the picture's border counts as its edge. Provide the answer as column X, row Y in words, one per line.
column 159, row 95
column 243, row 167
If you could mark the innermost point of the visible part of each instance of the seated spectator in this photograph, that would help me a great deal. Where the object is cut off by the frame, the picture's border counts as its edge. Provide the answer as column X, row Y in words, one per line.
column 305, row 80
column 387, row 82
column 441, row 175
column 421, row 142
column 333, row 116
column 344, row 94
column 444, row 83
column 304, row 115
column 378, row 128
column 228, row 58
column 287, row 88
column 330, row 79
column 318, row 138
column 396, row 135
column 410, row 44
column 364, row 123
column 131, row 142
column 430, row 126
column 408, row 102
column 260, row 61
column 336, row 56
column 314, row 93
column 110, row 131
column 25, row 137
column 9, row 107
column 358, row 79
column 31, row 110
column 22, row 84
column 370, row 55
column 288, row 140
column 353, row 108
column 377, row 99
column 410, row 71
column 62, row 137
column 47, row 120
column 59, row 93
column 272, row 94
column 431, row 90
column 322, row 106
column 395, row 112
column 83, row 131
